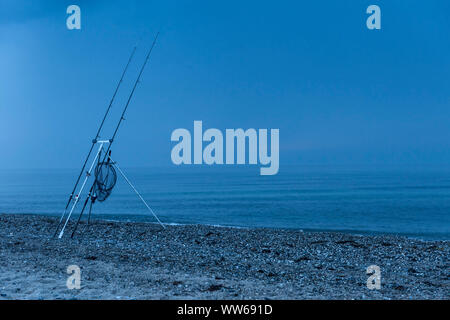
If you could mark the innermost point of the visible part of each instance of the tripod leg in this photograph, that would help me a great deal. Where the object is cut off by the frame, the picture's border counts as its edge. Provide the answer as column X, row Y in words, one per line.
column 90, row 210
column 89, row 217
column 81, row 213
column 138, row 194
column 60, row 221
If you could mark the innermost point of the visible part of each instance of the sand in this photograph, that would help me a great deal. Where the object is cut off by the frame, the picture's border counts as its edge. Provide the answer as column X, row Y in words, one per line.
column 121, row 260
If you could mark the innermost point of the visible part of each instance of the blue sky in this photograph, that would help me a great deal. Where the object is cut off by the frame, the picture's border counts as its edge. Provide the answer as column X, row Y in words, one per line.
column 338, row 92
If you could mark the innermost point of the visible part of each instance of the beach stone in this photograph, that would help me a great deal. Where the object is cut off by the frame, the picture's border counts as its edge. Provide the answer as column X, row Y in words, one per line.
column 141, row 261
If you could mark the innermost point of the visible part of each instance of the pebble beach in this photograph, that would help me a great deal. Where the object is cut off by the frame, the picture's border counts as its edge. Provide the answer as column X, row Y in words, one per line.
column 124, row 260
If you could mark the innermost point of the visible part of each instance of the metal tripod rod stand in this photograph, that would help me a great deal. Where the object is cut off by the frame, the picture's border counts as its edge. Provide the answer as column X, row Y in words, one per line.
column 77, row 197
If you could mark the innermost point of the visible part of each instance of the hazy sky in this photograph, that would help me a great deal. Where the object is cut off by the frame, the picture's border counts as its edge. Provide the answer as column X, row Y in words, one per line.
column 338, row 92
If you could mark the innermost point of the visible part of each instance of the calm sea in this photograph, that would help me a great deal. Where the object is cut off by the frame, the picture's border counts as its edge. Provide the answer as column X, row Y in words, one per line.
column 396, row 200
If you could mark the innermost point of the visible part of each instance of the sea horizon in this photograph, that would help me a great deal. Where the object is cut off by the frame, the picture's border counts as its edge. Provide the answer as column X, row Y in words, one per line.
column 402, row 200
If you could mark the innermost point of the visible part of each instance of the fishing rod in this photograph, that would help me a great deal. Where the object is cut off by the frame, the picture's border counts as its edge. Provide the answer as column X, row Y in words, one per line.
column 110, row 142
column 131, row 95
column 95, row 140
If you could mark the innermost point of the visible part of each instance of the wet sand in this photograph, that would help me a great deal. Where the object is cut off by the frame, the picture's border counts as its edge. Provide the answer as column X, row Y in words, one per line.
column 121, row 260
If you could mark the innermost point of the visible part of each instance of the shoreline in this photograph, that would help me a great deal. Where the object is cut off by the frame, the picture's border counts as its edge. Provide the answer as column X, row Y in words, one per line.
column 140, row 260
column 427, row 237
